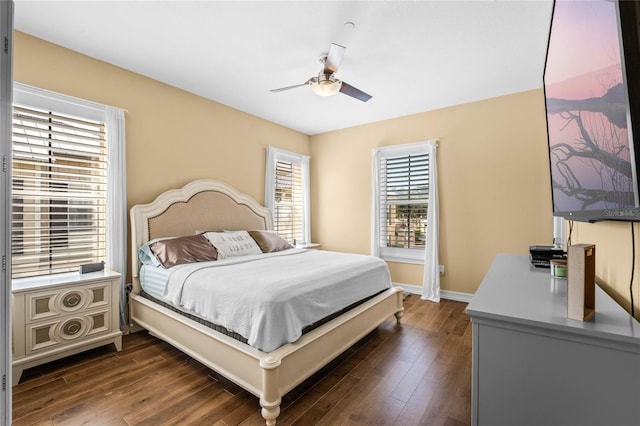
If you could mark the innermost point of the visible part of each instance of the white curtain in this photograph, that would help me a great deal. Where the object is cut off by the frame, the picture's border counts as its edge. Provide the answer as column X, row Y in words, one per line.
column 270, row 179
column 431, row 281
column 306, row 201
column 117, row 201
column 375, row 204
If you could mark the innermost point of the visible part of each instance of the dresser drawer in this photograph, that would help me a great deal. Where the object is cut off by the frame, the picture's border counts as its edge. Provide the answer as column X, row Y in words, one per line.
column 52, row 304
column 66, row 330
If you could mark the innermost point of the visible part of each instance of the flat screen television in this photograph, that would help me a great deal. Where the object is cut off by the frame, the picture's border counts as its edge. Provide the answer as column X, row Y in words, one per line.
column 592, row 99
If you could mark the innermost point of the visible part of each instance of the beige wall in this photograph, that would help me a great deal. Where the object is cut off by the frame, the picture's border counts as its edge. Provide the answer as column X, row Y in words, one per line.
column 172, row 136
column 493, row 182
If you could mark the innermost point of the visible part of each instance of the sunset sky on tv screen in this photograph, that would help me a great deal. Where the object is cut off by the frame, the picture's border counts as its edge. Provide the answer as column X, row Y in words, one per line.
column 587, row 109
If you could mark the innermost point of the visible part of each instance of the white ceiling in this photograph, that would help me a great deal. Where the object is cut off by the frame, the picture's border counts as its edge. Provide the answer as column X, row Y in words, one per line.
column 411, row 56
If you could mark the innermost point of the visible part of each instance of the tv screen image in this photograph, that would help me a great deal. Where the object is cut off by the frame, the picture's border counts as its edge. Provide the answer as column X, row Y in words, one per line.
column 591, row 148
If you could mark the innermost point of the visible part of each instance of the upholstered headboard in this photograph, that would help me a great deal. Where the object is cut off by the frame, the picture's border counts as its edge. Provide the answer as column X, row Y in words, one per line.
column 202, row 205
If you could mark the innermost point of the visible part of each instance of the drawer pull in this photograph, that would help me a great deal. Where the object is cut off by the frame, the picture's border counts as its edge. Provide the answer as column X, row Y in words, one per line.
column 72, row 327
column 71, row 300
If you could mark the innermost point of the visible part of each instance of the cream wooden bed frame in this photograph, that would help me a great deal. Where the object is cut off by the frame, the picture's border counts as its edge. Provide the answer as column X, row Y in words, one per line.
column 209, row 205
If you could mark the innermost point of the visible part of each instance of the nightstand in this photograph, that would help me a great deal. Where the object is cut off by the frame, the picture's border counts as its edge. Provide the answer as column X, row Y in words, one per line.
column 63, row 314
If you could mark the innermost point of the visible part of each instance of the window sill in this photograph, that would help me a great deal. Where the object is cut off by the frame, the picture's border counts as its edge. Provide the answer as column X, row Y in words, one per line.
column 403, row 260
column 402, row 255
column 307, row 245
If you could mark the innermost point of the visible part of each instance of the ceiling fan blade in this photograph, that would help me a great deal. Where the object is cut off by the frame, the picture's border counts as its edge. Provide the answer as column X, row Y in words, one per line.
column 334, row 57
column 281, row 89
column 349, row 90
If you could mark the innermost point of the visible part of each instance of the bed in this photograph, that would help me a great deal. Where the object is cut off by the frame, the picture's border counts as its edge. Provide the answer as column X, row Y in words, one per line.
column 210, row 205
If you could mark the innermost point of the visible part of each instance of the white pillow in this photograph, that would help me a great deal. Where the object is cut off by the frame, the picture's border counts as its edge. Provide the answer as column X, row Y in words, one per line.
column 236, row 243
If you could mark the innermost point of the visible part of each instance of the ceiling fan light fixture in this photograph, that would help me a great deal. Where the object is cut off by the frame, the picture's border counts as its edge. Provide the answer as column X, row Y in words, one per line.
column 326, row 85
column 326, row 88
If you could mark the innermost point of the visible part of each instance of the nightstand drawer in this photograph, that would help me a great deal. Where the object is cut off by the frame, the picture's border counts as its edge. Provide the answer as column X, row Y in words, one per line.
column 52, row 304
column 66, row 330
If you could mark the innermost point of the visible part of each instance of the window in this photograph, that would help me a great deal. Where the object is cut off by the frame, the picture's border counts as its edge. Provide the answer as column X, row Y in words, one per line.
column 59, row 188
column 401, row 194
column 287, row 194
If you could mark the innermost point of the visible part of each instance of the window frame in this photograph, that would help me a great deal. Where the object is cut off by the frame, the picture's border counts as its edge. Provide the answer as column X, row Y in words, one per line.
column 414, row 255
column 275, row 155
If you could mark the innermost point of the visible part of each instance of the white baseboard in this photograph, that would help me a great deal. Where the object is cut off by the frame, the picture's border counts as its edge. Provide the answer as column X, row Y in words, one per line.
column 444, row 294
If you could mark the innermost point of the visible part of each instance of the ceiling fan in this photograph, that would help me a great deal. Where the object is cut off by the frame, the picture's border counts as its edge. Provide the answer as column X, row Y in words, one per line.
column 326, row 83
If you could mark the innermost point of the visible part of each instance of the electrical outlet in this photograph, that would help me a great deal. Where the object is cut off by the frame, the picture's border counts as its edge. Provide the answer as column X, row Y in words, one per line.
column 441, row 268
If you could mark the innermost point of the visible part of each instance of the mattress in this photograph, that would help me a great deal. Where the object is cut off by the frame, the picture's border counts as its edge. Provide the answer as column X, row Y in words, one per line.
column 240, row 338
column 154, row 279
column 269, row 299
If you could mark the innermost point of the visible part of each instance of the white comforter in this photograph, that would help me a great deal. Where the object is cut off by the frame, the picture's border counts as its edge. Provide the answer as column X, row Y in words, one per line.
column 270, row 298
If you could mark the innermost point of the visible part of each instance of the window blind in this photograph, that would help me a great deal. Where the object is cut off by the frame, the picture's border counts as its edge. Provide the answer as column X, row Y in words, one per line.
column 289, row 201
column 404, row 193
column 59, row 187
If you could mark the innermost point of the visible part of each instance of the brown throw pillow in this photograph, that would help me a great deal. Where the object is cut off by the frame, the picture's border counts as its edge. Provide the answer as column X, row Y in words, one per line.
column 189, row 249
column 269, row 241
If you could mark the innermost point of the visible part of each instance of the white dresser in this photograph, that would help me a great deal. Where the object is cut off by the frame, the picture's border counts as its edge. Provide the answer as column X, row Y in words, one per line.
column 534, row 366
column 63, row 314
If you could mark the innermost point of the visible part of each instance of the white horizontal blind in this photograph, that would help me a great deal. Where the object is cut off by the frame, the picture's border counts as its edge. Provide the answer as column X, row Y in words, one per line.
column 404, row 193
column 288, row 208
column 59, row 187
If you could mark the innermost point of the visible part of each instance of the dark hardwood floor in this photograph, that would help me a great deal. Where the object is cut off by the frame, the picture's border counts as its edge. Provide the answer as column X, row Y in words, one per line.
column 418, row 373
